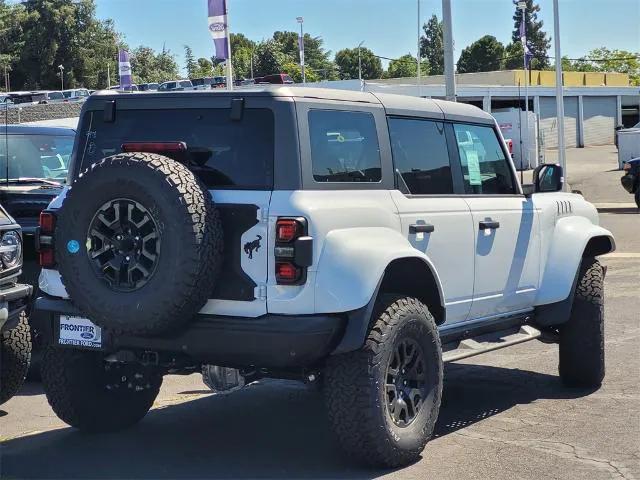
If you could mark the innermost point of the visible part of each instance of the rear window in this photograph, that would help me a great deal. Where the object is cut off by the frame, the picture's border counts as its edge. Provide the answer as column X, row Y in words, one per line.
column 224, row 153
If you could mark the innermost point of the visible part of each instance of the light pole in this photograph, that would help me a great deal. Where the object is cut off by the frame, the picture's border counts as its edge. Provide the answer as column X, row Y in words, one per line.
column 61, row 68
column 301, row 47
column 559, row 92
column 524, row 153
column 449, row 75
column 418, row 56
column 360, row 63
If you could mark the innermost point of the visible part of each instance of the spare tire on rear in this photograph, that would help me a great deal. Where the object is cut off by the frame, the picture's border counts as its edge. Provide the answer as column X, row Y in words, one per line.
column 138, row 243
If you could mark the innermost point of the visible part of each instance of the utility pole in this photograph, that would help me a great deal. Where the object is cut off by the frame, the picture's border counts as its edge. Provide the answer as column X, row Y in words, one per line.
column 449, row 74
column 301, row 48
column 108, row 77
column 559, row 90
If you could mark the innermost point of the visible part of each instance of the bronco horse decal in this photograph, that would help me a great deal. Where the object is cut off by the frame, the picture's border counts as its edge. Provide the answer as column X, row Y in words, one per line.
column 249, row 247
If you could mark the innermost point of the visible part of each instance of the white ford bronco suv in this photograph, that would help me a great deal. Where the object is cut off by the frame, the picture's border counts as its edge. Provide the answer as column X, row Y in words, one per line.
column 354, row 239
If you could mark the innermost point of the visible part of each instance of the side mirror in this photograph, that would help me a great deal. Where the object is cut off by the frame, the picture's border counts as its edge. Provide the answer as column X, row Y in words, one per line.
column 548, row 177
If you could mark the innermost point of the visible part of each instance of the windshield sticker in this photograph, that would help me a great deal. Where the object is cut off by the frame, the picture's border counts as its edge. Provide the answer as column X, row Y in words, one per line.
column 474, row 167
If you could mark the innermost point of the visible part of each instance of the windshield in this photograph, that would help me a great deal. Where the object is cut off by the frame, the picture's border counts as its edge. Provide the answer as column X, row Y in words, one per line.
column 34, row 157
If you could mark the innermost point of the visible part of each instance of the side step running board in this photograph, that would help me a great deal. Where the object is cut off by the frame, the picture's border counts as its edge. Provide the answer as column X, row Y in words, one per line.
column 488, row 342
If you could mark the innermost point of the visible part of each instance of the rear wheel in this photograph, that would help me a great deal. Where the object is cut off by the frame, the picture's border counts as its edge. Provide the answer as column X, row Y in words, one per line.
column 582, row 337
column 95, row 396
column 16, row 356
column 383, row 400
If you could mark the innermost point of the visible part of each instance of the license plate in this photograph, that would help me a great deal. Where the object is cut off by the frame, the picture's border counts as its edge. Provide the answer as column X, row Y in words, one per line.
column 80, row 332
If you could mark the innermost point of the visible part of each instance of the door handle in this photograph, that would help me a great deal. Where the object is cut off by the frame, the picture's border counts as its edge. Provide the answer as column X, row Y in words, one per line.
column 489, row 225
column 421, row 228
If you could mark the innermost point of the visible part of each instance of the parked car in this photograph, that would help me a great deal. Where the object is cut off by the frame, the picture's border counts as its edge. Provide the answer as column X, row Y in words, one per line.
column 631, row 178
column 278, row 79
column 26, row 98
column 145, row 87
column 15, row 337
column 38, row 158
column 304, row 234
column 76, row 94
column 176, row 85
column 52, row 96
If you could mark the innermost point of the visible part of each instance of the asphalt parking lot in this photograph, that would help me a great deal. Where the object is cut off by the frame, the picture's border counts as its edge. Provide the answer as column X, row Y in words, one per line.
column 505, row 414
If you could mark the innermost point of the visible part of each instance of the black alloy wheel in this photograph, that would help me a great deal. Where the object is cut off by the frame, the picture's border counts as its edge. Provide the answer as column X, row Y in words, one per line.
column 123, row 244
column 406, row 385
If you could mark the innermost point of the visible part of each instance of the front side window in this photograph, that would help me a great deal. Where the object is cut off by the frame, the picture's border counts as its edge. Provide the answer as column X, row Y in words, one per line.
column 485, row 167
column 420, row 156
column 43, row 157
column 344, row 146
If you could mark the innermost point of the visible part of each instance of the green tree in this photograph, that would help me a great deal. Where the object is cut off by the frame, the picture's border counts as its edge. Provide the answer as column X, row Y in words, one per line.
column 60, row 32
column 190, row 62
column 269, row 59
column 432, row 45
column 483, row 55
column 295, row 71
column 620, row 61
column 406, row 66
column 315, row 56
column 204, row 68
column 347, row 62
column 242, row 62
column 537, row 39
column 147, row 66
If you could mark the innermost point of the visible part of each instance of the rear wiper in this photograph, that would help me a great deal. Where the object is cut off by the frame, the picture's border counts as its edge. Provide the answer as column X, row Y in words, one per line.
column 32, row 180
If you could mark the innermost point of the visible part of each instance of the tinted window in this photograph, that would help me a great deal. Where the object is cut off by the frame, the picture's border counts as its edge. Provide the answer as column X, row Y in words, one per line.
column 344, row 146
column 421, row 156
column 484, row 165
column 185, row 84
column 55, row 95
column 36, row 156
column 222, row 152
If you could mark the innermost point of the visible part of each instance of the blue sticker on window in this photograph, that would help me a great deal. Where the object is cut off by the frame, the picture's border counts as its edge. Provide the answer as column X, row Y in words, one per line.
column 73, row 246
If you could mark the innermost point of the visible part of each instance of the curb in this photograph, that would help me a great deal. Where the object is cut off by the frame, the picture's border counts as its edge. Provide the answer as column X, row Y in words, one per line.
column 617, row 207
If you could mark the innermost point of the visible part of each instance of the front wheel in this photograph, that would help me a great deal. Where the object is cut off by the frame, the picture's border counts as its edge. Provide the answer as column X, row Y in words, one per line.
column 96, row 396
column 15, row 347
column 383, row 400
column 582, row 337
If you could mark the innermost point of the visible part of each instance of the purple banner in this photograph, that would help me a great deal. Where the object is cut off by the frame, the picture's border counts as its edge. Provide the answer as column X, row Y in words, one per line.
column 218, row 27
column 124, row 68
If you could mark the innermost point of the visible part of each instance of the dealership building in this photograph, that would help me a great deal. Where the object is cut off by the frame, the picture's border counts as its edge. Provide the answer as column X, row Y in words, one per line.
column 594, row 102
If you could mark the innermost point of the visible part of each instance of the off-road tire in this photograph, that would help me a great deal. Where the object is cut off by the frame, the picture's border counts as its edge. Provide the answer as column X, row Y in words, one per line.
column 190, row 255
column 582, row 337
column 16, row 356
column 354, row 387
column 81, row 393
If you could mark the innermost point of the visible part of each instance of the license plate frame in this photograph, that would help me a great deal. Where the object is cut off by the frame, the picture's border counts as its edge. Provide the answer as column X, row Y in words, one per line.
column 76, row 331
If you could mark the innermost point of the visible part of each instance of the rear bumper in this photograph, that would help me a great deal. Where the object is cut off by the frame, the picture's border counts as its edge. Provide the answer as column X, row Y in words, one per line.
column 14, row 299
column 273, row 341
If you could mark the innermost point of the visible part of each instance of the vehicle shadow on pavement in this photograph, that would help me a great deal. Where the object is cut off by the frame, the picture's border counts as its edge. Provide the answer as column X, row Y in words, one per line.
column 269, row 430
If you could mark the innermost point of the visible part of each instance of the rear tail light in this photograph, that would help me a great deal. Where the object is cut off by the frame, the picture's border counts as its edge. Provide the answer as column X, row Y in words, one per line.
column 44, row 239
column 287, row 229
column 287, row 273
column 293, row 251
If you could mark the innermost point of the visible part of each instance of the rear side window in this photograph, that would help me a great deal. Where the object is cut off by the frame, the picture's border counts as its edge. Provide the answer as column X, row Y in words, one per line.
column 344, row 146
column 485, row 167
column 421, row 156
column 224, row 153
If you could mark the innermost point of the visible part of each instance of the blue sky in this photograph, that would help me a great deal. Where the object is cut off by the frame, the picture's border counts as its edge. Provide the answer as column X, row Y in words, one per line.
column 387, row 27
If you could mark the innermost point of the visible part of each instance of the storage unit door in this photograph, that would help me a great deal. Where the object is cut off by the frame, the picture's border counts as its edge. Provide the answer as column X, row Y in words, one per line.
column 599, row 120
column 549, row 125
